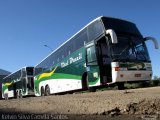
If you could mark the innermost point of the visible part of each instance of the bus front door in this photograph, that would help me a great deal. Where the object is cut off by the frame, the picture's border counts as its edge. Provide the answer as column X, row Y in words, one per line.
column 92, row 65
column 30, row 85
column 24, row 88
column 104, row 61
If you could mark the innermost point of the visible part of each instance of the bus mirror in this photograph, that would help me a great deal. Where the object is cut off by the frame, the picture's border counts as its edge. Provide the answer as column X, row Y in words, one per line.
column 154, row 41
column 112, row 35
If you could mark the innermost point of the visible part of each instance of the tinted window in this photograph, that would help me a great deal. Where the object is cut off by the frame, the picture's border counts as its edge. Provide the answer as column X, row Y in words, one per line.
column 46, row 64
column 95, row 30
column 120, row 26
column 91, row 56
column 15, row 76
column 80, row 39
column 29, row 71
column 92, row 31
column 130, row 49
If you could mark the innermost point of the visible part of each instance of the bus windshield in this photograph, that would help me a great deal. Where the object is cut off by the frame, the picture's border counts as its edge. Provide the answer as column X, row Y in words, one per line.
column 130, row 49
column 121, row 26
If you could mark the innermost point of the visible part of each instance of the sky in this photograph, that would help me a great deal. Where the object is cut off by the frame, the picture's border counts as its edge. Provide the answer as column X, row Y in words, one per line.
column 27, row 25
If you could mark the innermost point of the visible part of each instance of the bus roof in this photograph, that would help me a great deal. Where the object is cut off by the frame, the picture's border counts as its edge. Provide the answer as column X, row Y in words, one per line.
column 98, row 18
column 71, row 38
column 15, row 71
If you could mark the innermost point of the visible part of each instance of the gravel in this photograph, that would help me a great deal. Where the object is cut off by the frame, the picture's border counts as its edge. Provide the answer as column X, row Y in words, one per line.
column 136, row 104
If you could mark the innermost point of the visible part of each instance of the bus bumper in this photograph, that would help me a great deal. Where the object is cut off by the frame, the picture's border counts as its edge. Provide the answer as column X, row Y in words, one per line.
column 131, row 76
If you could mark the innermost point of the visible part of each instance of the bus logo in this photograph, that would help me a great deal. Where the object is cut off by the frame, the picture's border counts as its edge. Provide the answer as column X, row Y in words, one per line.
column 71, row 60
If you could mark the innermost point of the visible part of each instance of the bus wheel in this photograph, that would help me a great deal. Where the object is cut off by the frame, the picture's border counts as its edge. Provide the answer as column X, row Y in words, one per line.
column 120, row 85
column 20, row 94
column 47, row 90
column 17, row 95
column 42, row 91
column 6, row 96
column 85, row 81
column 92, row 89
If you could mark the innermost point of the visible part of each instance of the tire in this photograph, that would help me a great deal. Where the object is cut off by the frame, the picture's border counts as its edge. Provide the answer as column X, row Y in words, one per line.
column 47, row 91
column 70, row 92
column 20, row 94
column 42, row 91
column 17, row 95
column 6, row 96
column 85, row 81
column 120, row 86
column 92, row 89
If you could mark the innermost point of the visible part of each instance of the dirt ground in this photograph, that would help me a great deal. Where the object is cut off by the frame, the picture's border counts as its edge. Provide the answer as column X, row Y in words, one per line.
column 133, row 104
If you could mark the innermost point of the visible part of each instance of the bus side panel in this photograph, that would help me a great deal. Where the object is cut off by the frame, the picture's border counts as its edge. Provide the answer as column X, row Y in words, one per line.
column 6, row 91
column 66, row 76
column 61, row 85
column 93, row 76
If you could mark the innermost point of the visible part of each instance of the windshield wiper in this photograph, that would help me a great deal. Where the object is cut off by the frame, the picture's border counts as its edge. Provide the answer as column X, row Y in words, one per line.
column 124, row 50
column 121, row 55
column 139, row 52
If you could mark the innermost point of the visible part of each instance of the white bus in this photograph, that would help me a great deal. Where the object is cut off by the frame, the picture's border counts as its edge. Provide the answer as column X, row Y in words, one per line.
column 18, row 84
column 106, row 51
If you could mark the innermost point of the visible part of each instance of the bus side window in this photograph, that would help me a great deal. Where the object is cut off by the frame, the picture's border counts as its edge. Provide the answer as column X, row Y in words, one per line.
column 91, row 55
